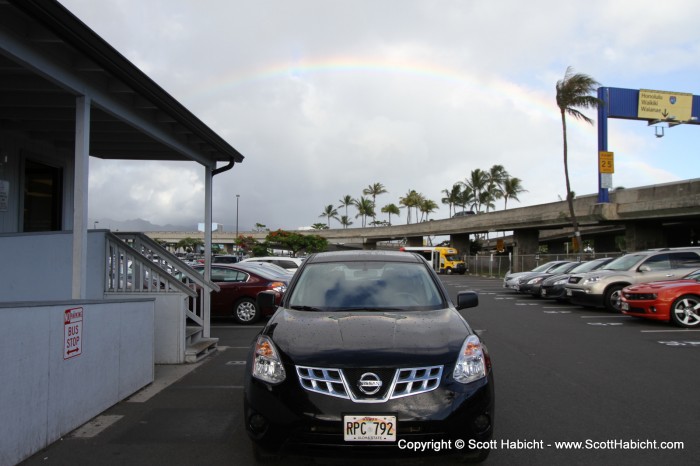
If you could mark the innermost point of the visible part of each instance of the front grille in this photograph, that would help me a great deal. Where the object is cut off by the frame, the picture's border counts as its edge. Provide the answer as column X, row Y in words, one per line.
column 574, row 279
column 345, row 383
column 640, row 296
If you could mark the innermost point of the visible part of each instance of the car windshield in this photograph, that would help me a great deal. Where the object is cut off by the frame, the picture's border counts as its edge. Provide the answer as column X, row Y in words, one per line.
column 562, row 268
column 693, row 276
column 372, row 286
column 543, row 267
column 625, row 262
column 586, row 266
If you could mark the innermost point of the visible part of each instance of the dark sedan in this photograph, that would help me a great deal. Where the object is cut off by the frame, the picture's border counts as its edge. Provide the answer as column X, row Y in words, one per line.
column 553, row 287
column 365, row 354
column 240, row 286
column 530, row 283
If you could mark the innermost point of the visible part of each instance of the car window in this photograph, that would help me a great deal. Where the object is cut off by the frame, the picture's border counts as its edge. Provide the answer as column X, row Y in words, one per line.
column 658, row 262
column 684, row 260
column 287, row 264
column 227, row 275
column 366, row 285
column 562, row 268
column 625, row 262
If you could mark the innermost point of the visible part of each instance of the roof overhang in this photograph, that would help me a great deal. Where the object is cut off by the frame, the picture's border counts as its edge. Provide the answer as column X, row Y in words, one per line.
column 48, row 58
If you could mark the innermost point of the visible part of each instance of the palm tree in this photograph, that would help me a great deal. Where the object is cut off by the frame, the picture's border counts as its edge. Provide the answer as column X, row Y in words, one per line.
column 466, row 198
column 329, row 212
column 346, row 201
column 494, row 184
column 574, row 91
column 427, row 206
column 477, row 181
column 452, row 197
column 391, row 209
column 374, row 190
column 511, row 188
column 365, row 208
column 411, row 199
column 345, row 221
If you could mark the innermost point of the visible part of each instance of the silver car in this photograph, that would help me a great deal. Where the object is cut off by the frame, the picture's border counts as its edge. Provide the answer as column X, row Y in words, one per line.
column 602, row 287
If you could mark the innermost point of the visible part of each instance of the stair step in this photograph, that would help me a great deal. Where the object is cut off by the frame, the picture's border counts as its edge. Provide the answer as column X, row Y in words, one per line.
column 200, row 349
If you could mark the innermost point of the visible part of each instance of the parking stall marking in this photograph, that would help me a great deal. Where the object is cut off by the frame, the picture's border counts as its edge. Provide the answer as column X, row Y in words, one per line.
column 680, row 344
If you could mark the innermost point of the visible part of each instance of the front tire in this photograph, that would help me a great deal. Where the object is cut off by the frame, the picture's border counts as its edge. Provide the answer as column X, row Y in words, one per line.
column 685, row 311
column 612, row 298
column 245, row 311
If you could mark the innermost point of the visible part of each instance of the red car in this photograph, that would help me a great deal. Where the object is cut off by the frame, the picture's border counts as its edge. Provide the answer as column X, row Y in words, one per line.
column 677, row 301
column 240, row 286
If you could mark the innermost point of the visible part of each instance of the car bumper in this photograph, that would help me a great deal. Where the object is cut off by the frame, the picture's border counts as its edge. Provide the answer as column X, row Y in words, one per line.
column 553, row 292
column 583, row 297
column 301, row 422
column 646, row 309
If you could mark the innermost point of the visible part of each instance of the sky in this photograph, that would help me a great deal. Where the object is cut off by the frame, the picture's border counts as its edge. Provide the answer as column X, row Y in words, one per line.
column 325, row 97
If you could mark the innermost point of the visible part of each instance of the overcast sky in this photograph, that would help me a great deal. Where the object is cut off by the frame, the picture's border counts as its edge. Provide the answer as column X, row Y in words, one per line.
column 324, row 98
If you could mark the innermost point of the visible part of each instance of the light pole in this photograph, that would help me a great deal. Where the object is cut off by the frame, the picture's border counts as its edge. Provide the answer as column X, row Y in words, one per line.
column 94, row 225
column 237, row 197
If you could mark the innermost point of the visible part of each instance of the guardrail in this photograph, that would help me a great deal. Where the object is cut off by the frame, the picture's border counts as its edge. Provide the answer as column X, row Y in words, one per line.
column 496, row 265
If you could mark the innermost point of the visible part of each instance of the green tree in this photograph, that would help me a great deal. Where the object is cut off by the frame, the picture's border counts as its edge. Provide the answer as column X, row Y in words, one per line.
column 346, row 202
column 426, row 207
column 412, row 199
column 477, row 182
column 465, row 198
column 452, row 197
column 190, row 244
column 494, row 185
column 296, row 242
column 319, row 226
column 374, row 190
column 365, row 208
column 574, row 91
column 345, row 221
column 329, row 212
column 391, row 209
column 512, row 186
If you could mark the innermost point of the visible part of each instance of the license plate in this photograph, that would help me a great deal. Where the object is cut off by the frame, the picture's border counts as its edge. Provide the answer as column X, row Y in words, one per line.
column 369, row 428
column 625, row 306
column 543, row 292
column 568, row 292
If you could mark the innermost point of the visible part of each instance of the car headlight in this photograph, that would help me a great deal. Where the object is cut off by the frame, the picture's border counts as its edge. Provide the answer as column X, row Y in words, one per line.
column 590, row 280
column 266, row 362
column 535, row 281
column 472, row 361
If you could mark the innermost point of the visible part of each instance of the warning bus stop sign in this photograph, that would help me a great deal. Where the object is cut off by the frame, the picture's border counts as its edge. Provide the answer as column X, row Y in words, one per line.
column 73, row 333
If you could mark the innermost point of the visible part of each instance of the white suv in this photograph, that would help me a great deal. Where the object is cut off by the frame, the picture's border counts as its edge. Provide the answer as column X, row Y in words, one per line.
column 289, row 263
column 602, row 287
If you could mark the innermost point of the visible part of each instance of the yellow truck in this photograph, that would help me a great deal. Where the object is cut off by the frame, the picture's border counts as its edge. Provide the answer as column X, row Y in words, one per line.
column 443, row 259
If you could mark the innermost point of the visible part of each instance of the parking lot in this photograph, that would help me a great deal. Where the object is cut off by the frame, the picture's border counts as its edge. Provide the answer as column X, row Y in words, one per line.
column 573, row 386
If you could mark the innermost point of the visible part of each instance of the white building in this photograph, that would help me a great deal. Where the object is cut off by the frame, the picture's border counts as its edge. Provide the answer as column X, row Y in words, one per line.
column 84, row 311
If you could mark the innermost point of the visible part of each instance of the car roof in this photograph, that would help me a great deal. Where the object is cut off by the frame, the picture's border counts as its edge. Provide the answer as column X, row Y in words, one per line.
column 374, row 256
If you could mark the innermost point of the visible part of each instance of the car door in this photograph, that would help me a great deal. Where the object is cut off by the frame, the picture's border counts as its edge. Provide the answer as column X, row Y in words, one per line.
column 655, row 268
column 230, row 282
column 684, row 262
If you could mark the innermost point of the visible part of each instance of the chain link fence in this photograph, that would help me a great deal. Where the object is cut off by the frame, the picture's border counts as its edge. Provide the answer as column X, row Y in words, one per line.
column 498, row 265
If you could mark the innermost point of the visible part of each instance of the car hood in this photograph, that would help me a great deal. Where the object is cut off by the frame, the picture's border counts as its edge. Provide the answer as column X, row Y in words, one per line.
column 362, row 339
column 666, row 285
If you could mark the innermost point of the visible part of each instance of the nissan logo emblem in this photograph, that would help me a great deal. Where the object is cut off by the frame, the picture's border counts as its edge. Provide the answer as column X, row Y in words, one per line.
column 369, row 383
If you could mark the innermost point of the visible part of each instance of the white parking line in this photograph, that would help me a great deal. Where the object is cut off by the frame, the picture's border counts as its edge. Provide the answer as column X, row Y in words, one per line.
column 687, row 330
column 606, row 317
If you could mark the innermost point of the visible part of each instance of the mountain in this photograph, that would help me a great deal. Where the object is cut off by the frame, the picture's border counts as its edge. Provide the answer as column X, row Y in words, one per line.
column 138, row 225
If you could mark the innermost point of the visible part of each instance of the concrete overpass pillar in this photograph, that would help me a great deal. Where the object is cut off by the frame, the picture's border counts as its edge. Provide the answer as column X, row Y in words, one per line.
column 369, row 244
column 461, row 243
column 526, row 244
column 644, row 235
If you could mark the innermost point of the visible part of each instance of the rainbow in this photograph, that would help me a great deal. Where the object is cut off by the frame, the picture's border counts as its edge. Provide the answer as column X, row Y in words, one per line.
column 531, row 100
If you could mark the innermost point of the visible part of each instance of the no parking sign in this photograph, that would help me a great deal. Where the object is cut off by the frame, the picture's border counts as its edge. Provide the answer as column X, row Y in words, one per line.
column 73, row 333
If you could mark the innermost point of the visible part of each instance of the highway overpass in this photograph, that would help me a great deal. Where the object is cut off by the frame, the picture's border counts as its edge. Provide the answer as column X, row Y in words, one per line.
column 664, row 215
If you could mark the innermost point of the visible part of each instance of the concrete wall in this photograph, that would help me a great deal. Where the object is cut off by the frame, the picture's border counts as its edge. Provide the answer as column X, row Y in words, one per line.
column 37, row 266
column 44, row 396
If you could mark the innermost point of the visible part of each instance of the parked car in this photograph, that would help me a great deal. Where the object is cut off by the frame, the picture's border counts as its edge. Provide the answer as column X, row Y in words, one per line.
column 602, row 287
column 510, row 281
column 224, row 259
column 289, row 263
column 530, row 283
column 366, row 350
column 463, row 213
column 552, row 287
column 239, row 290
column 676, row 301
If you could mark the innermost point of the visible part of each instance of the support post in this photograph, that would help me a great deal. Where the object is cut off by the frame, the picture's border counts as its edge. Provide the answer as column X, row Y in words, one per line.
column 80, row 196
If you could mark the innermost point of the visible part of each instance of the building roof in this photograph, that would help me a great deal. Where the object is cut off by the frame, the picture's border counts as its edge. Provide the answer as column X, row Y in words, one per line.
column 48, row 57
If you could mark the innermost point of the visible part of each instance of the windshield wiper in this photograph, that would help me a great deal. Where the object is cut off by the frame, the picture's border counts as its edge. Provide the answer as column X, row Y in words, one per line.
column 307, row 308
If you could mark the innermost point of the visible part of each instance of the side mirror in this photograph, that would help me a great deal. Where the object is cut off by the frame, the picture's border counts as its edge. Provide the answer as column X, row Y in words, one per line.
column 467, row 299
column 644, row 268
column 265, row 300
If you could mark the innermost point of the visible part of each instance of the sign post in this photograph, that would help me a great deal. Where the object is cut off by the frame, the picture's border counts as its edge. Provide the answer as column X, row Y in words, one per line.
column 73, row 333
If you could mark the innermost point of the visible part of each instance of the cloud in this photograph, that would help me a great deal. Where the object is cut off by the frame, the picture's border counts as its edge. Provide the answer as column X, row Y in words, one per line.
column 325, row 98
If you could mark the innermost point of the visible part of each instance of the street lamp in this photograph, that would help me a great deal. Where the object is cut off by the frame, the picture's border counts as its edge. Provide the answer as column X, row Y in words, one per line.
column 94, row 225
column 237, row 197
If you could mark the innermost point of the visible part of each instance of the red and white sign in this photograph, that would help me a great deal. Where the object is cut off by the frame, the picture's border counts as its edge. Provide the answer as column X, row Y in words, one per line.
column 73, row 333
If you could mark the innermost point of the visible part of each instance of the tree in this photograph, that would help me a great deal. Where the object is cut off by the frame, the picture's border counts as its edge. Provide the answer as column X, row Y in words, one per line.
column 374, row 190
column 391, row 209
column 296, row 242
column 511, row 188
column 574, row 91
column 365, row 208
column 346, row 201
column 319, row 226
column 452, row 197
column 189, row 244
column 465, row 198
column 345, row 221
column 426, row 207
column 494, row 184
column 477, row 182
column 329, row 212
column 411, row 199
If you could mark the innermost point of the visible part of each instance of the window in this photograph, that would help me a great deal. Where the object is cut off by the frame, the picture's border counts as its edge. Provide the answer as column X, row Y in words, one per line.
column 684, row 260
column 658, row 262
column 43, row 197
